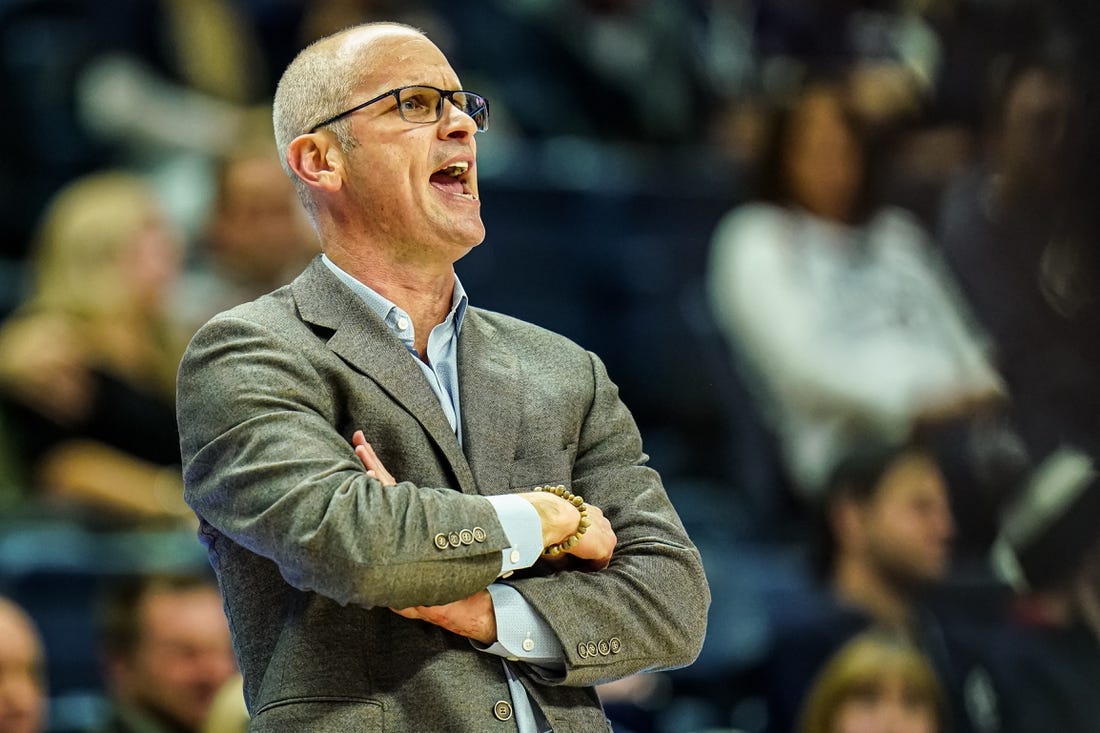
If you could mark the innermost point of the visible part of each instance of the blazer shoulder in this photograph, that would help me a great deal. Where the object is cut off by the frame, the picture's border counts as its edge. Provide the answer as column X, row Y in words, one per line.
column 514, row 328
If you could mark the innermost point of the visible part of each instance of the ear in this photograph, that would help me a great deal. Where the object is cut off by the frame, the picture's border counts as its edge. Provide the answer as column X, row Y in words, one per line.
column 317, row 161
column 846, row 519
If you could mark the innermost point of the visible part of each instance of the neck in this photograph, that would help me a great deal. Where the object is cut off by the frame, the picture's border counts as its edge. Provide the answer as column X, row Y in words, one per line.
column 859, row 585
column 421, row 289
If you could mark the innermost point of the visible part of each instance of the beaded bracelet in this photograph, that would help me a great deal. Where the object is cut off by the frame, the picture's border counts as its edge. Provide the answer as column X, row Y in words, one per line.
column 582, row 527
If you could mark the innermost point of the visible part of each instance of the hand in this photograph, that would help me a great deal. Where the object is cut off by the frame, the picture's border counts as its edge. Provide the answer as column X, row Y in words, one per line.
column 43, row 363
column 560, row 520
column 471, row 617
column 597, row 543
column 370, row 460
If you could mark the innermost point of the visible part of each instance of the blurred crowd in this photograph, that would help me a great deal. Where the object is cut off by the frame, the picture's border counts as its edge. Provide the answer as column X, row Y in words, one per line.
column 841, row 257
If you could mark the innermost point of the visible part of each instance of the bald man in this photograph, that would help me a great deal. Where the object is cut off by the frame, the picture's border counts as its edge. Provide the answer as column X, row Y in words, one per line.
column 423, row 515
column 22, row 672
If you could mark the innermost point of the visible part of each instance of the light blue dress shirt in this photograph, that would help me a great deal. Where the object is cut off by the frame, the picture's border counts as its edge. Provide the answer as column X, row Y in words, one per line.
column 522, row 635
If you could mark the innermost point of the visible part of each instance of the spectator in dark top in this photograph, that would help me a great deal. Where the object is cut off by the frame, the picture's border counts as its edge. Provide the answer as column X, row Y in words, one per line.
column 88, row 362
column 885, row 539
column 1047, row 659
column 167, row 652
column 1012, row 232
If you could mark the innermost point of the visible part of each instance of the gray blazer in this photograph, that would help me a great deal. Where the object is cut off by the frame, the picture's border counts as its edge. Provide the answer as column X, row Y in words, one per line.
column 311, row 554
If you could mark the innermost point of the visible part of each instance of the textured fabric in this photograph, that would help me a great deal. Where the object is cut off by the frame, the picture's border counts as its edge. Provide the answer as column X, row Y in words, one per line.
column 518, row 518
column 311, row 554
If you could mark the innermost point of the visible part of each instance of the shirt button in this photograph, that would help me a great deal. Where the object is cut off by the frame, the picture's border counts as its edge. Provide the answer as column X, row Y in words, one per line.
column 528, row 644
column 402, row 323
column 502, row 710
column 513, row 556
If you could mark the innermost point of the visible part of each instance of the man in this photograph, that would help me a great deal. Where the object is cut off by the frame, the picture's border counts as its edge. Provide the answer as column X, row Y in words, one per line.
column 167, row 653
column 1047, row 657
column 427, row 603
column 257, row 237
column 885, row 537
column 889, row 532
column 22, row 672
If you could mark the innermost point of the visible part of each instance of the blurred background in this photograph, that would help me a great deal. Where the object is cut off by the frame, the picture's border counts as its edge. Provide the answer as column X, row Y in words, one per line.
column 808, row 238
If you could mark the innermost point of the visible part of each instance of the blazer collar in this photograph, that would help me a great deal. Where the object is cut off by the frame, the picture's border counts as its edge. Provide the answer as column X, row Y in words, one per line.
column 362, row 340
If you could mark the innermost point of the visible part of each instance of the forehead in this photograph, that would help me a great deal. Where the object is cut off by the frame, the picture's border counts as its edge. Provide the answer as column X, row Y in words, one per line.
column 391, row 58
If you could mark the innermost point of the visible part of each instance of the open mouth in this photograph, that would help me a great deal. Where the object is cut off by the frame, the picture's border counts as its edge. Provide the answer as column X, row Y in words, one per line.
column 453, row 179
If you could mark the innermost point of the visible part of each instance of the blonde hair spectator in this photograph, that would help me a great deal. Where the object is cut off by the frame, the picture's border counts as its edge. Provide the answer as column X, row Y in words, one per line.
column 877, row 681
column 88, row 361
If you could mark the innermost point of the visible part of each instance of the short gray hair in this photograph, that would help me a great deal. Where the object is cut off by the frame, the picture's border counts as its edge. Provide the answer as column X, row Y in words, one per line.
column 317, row 84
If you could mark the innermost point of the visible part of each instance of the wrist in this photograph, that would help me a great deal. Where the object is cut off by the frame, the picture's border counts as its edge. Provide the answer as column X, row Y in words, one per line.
column 566, row 543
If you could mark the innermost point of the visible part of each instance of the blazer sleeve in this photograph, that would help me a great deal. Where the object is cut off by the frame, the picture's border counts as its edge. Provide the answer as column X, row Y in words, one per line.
column 647, row 610
column 265, row 466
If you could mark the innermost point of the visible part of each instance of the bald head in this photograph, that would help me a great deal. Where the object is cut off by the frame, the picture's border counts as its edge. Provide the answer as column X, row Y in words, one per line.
column 22, row 672
column 321, row 80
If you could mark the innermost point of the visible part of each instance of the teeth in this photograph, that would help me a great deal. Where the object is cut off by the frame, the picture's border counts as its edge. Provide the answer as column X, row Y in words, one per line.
column 457, row 169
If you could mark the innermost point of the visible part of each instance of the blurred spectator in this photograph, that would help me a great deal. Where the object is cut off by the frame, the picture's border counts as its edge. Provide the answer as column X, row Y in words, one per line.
column 641, row 71
column 876, row 683
column 1016, row 232
column 839, row 308
column 167, row 653
column 884, row 542
column 887, row 532
column 22, row 672
column 257, row 236
column 1047, row 659
column 88, row 362
column 321, row 18
column 892, row 50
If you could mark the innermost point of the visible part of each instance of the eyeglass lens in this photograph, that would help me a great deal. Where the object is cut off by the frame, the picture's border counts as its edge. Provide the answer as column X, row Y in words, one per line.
column 425, row 104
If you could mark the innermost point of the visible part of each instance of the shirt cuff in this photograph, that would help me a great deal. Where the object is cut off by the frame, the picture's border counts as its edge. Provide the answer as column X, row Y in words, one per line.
column 522, row 635
column 523, row 527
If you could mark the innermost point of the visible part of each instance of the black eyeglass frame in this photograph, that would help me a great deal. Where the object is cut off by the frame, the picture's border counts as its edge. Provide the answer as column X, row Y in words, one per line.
column 444, row 94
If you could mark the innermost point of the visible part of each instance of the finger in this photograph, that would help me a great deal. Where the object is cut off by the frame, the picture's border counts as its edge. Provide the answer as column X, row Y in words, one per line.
column 358, row 438
column 372, row 462
column 412, row 612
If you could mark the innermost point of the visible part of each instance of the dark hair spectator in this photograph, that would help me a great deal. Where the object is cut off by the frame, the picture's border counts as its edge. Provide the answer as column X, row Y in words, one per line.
column 166, row 652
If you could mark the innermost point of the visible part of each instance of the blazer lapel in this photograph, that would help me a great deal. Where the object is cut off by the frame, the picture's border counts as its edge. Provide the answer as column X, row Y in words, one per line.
column 362, row 340
column 488, row 375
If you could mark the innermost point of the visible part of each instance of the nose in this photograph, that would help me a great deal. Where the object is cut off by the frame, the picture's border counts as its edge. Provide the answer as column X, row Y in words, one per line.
column 454, row 124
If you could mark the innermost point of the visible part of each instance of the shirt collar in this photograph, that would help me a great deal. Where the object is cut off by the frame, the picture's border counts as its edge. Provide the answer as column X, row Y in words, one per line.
column 388, row 311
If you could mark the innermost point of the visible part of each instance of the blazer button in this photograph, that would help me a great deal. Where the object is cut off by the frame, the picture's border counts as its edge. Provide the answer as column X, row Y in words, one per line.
column 582, row 650
column 592, row 649
column 466, row 537
column 479, row 534
column 615, row 645
column 604, row 647
column 441, row 541
column 502, row 710
column 453, row 539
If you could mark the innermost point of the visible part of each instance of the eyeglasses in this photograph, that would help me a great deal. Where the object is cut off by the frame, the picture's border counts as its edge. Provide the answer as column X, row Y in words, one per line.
column 424, row 105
